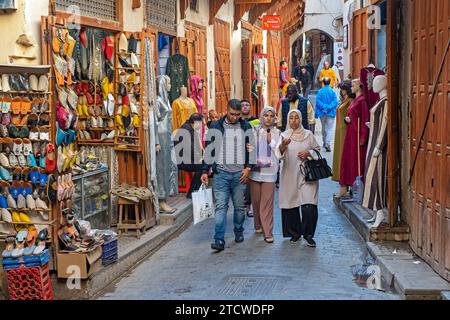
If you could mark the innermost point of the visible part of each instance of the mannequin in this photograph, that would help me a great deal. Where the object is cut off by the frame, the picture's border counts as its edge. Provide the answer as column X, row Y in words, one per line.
column 183, row 108
column 178, row 71
column 353, row 160
column 197, row 84
column 167, row 174
column 376, row 162
column 367, row 77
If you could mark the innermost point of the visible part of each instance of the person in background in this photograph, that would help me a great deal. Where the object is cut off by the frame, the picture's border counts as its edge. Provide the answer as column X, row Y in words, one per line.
column 305, row 80
column 264, row 175
column 326, row 105
column 212, row 116
column 295, row 146
column 285, row 80
column 231, row 163
column 310, row 69
column 329, row 73
column 253, row 121
column 193, row 125
column 294, row 101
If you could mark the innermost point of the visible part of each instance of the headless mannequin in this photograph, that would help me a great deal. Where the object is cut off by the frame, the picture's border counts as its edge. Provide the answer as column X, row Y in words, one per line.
column 380, row 87
column 164, row 207
column 184, row 96
column 357, row 91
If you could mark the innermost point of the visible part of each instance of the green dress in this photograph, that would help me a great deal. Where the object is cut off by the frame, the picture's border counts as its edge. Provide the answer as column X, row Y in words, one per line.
column 178, row 71
column 339, row 137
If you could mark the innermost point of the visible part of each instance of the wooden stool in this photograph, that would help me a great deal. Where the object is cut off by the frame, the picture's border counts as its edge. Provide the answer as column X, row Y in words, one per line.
column 126, row 208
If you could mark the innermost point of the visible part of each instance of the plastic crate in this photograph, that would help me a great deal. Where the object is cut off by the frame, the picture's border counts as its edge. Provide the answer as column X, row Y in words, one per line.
column 26, row 261
column 109, row 252
column 29, row 283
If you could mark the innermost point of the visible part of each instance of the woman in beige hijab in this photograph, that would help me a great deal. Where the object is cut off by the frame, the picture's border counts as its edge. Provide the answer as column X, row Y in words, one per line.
column 295, row 146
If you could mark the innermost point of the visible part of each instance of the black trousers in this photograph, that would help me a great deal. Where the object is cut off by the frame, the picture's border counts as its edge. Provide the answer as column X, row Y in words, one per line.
column 310, row 216
column 295, row 227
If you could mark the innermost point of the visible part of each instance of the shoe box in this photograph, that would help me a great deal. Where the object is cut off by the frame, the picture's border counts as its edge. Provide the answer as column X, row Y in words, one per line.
column 77, row 264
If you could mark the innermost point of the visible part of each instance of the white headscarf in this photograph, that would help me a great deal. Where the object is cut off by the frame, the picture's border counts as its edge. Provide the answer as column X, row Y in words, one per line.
column 298, row 134
column 261, row 117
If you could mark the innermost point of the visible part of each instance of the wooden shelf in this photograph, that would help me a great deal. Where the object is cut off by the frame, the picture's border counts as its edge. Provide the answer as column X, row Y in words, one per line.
column 97, row 129
column 46, row 223
column 26, row 92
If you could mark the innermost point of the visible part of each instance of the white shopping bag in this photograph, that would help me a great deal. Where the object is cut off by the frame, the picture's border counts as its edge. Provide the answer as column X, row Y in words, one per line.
column 202, row 204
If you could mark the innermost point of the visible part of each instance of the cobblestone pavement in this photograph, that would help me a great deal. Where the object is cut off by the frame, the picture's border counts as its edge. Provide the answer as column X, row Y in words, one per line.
column 186, row 268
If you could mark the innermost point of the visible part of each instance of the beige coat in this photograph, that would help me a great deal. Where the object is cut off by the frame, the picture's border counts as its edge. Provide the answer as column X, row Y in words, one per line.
column 294, row 190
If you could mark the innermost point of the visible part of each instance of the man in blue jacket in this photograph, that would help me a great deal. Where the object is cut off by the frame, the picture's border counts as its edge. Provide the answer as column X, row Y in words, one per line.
column 326, row 105
column 230, row 153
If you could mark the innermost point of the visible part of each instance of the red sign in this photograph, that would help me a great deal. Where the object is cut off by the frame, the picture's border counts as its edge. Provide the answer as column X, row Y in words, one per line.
column 271, row 23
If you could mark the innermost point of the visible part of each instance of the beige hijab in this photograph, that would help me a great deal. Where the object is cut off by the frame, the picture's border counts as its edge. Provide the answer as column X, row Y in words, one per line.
column 300, row 133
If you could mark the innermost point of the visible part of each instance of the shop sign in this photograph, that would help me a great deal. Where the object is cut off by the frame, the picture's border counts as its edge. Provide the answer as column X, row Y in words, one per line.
column 251, row 1
column 271, row 23
column 339, row 55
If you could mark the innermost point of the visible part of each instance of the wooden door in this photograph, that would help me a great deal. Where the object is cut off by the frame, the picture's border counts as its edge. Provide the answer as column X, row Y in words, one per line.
column 273, row 55
column 196, row 52
column 247, row 71
column 222, row 64
column 286, row 51
column 430, row 185
column 360, row 42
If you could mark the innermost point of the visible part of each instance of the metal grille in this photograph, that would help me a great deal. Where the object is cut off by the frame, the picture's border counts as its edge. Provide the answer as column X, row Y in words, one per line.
column 102, row 9
column 162, row 14
column 249, row 286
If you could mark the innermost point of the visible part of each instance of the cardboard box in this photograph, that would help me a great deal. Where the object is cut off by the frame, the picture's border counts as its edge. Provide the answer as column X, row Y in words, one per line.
column 70, row 263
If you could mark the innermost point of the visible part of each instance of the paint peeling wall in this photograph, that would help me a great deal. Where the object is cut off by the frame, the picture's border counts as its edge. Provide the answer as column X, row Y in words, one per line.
column 25, row 20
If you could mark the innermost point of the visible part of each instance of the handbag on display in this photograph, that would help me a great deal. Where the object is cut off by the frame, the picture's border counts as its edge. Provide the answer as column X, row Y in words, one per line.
column 315, row 170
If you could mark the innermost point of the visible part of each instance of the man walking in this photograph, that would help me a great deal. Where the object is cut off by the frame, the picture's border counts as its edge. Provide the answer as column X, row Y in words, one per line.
column 229, row 142
column 329, row 73
column 326, row 105
column 305, row 80
column 294, row 101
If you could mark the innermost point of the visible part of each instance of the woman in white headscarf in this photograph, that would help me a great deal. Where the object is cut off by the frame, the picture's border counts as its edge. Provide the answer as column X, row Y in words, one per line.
column 295, row 146
column 264, row 175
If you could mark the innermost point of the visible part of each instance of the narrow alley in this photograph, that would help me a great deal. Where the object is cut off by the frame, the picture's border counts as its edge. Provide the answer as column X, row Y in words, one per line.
column 186, row 268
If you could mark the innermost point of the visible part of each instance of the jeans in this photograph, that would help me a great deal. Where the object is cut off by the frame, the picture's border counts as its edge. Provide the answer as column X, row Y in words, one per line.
column 327, row 129
column 226, row 184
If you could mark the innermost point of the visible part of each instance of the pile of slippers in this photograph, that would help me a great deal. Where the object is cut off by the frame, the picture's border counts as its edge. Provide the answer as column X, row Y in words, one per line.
column 25, row 243
column 127, row 115
column 70, row 235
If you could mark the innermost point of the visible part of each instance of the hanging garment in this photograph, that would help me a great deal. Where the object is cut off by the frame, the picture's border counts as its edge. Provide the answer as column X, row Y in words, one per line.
column 167, row 172
column 367, row 76
column 358, row 113
column 376, row 167
column 178, row 71
column 197, row 96
column 341, row 129
column 182, row 110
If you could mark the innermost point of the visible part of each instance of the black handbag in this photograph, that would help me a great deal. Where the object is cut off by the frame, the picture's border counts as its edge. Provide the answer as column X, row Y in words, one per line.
column 314, row 170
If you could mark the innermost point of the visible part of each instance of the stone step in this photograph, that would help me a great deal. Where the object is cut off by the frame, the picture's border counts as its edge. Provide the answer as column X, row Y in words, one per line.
column 411, row 277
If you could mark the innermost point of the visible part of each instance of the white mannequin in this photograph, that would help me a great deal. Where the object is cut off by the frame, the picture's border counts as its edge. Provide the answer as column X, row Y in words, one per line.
column 380, row 87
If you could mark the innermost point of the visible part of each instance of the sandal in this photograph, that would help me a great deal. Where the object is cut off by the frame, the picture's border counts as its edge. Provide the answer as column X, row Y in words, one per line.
column 10, row 239
column 20, row 243
column 41, row 245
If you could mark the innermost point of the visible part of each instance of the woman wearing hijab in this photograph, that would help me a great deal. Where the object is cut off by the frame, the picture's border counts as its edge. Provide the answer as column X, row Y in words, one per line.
column 264, row 176
column 197, row 95
column 294, row 148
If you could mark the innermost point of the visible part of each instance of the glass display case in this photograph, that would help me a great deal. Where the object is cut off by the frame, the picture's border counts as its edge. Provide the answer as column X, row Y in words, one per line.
column 91, row 199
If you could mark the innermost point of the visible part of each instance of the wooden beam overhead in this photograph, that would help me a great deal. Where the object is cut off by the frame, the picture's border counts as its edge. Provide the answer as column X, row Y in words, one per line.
column 239, row 11
column 184, row 4
column 214, row 7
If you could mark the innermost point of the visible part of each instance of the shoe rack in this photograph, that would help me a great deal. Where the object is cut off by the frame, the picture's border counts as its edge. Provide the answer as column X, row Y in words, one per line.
column 23, row 149
column 131, row 138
